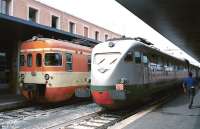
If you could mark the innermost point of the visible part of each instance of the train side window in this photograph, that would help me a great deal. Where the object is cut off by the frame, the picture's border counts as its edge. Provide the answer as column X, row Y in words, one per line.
column 22, row 60
column 137, row 57
column 39, row 60
column 89, row 63
column 69, row 61
column 129, row 57
column 29, row 60
column 53, row 59
column 145, row 59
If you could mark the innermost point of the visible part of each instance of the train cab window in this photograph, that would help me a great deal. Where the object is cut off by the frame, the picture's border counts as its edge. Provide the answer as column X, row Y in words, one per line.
column 22, row 60
column 129, row 57
column 53, row 59
column 69, row 61
column 29, row 60
column 145, row 59
column 89, row 63
column 137, row 57
column 39, row 60
column 106, row 59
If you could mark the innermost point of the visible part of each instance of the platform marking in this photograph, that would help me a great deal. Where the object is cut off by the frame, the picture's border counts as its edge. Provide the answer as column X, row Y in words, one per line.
column 78, row 127
column 133, row 118
column 91, row 124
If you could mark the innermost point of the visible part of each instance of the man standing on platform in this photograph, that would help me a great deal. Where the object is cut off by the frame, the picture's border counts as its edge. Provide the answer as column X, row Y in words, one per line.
column 189, row 85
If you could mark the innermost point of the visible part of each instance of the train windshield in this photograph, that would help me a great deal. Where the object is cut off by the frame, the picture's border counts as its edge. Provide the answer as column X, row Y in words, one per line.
column 106, row 58
column 53, row 59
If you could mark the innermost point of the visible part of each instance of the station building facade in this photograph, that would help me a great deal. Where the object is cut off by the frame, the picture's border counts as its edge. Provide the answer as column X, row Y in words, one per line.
column 40, row 13
column 22, row 19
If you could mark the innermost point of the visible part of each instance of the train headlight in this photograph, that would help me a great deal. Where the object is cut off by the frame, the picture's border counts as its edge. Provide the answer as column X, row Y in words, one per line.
column 22, row 76
column 88, row 80
column 46, row 76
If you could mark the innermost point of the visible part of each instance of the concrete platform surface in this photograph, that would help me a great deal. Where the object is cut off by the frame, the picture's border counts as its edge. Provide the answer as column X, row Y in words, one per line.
column 10, row 101
column 173, row 115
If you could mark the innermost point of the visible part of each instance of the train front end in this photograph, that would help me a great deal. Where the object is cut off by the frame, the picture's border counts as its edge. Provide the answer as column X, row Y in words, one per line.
column 46, row 74
column 109, row 75
column 38, row 68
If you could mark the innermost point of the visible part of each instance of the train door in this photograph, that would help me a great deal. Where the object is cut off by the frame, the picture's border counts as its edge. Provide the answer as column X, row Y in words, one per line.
column 3, row 71
column 145, row 69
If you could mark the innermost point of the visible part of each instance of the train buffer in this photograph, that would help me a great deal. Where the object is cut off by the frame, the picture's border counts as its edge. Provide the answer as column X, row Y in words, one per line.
column 172, row 115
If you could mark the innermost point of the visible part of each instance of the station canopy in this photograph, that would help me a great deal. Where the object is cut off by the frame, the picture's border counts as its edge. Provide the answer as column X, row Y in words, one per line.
column 176, row 20
column 14, row 29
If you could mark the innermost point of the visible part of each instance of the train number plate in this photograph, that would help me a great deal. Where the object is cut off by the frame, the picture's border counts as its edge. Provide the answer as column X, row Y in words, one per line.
column 118, row 95
column 119, row 86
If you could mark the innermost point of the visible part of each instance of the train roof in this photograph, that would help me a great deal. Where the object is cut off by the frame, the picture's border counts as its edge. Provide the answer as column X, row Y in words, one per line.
column 123, row 44
column 51, row 43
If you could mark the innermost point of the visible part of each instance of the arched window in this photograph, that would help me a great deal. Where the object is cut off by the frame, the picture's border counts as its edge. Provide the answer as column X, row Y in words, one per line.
column 22, row 60
column 29, row 60
column 39, row 60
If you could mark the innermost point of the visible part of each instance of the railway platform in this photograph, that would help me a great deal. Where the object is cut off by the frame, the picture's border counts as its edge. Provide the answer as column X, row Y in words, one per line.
column 11, row 101
column 172, row 115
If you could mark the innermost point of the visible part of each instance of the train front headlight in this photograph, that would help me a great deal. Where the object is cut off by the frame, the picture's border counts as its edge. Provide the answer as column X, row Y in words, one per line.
column 46, row 76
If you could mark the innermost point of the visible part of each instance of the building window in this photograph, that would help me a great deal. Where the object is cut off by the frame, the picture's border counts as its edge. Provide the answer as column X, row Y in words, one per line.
column 106, row 37
column 71, row 27
column 96, row 35
column 4, row 6
column 39, row 60
column 29, row 60
column 33, row 14
column 85, row 31
column 69, row 62
column 54, row 21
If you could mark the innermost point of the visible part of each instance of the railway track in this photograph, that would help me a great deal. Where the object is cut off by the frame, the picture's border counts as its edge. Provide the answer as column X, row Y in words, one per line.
column 104, row 119
column 39, row 117
column 83, row 115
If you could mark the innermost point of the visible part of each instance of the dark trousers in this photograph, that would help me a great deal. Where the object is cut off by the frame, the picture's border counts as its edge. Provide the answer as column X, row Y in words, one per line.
column 191, row 94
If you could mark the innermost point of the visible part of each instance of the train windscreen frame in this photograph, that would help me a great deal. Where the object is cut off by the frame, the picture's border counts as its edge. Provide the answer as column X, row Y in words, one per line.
column 106, row 58
column 53, row 59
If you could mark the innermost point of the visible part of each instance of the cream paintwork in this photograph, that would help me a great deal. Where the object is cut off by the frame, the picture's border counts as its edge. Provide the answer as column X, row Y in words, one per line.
column 58, row 79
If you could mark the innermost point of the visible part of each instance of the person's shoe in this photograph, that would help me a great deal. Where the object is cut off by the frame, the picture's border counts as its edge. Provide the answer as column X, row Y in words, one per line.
column 190, row 106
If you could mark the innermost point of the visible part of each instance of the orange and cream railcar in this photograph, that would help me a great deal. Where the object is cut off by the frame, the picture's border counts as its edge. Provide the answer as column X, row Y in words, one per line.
column 52, row 70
